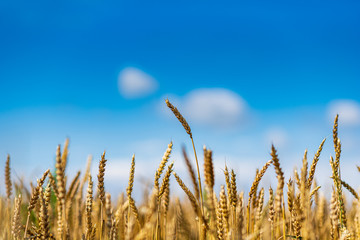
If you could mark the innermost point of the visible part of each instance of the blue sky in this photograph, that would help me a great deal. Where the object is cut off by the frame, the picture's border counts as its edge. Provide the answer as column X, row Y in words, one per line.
column 245, row 74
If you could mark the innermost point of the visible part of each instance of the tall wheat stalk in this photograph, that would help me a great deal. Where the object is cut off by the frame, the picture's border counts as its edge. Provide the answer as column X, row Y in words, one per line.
column 187, row 128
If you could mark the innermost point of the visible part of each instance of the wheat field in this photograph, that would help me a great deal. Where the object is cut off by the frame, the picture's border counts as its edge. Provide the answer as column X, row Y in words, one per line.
column 59, row 207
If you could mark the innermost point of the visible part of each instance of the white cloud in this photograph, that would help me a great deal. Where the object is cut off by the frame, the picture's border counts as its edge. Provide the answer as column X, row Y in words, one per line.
column 348, row 110
column 118, row 169
column 213, row 106
column 276, row 136
column 134, row 83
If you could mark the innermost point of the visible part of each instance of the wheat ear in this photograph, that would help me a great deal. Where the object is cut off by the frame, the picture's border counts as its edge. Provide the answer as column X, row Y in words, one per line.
column 16, row 222
column 271, row 212
column 35, row 197
column 209, row 169
column 188, row 193
column 44, row 214
column 313, row 164
column 8, row 177
column 129, row 191
column 192, row 173
column 100, row 176
column 89, row 205
column 280, row 177
column 188, row 130
column 162, row 165
column 101, row 189
column 253, row 191
column 350, row 189
column 166, row 180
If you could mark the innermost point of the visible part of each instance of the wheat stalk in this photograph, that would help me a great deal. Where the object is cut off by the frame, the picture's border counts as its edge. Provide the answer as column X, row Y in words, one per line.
column 188, row 131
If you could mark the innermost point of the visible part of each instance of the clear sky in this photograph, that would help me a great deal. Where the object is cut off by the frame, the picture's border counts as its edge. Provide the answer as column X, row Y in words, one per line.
column 245, row 74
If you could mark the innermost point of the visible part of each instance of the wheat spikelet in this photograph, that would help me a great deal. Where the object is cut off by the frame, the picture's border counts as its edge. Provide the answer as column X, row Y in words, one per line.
column 233, row 197
column 101, row 190
column 8, row 177
column 35, row 194
column 337, row 143
column 314, row 191
column 316, row 195
column 208, row 169
column 89, row 205
column 129, row 191
column 240, row 217
column 297, row 178
column 161, row 167
column 65, row 153
column 53, row 184
column 179, row 117
column 60, row 180
column 335, row 130
column 134, row 210
column 314, row 163
column 345, row 234
column 60, row 177
column 280, row 177
column 192, row 173
column 166, row 179
column 120, row 217
column 100, row 176
column 337, row 183
column 60, row 212
column 334, row 215
column 108, row 209
column 290, row 195
column 131, row 177
column 258, row 178
column 188, row 193
column 271, row 211
column 73, row 186
column 113, row 231
column 357, row 223
column 220, row 218
column 224, row 210
column 259, row 211
column 44, row 216
column 304, row 171
column 350, row 189
column 304, row 195
column 35, row 197
column 227, row 180
column 16, row 222
column 296, row 216
column 166, row 200
column 253, row 190
column 85, row 178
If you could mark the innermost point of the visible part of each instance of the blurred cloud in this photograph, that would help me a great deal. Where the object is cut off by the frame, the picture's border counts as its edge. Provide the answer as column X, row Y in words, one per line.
column 348, row 110
column 118, row 169
column 277, row 136
column 134, row 83
column 214, row 107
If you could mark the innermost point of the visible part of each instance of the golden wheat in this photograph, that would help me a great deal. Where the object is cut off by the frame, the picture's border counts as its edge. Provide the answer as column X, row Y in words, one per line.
column 57, row 210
